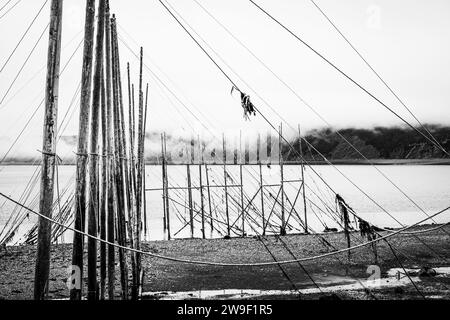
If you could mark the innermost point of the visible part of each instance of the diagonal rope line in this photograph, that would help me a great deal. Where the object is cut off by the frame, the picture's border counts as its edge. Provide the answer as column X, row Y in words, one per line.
column 349, row 78
column 10, row 9
column 375, row 72
column 24, row 64
column 23, row 36
column 311, row 108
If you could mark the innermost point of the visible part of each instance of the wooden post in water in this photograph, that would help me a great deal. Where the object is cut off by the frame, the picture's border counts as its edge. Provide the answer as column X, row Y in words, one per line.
column 202, row 204
column 242, row 185
column 82, row 153
column 303, row 180
column 280, row 157
column 261, row 183
column 163, row 171
column 144, row 194
column 211, row 223
column 42, row 270
column 227, row 214
column 191, row 209
column 94, row 158
column 167, row 189
column 111, row 169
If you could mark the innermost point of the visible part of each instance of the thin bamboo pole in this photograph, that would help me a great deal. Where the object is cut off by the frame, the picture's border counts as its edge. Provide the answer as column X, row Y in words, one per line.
column 94, row 159
column 111, row 185
column 144, row 194
column 83, row 132
column 104, row 191
column 49, row 148
column 119, row 156
column 140, row 162
column 163, row 171
column 227, row 214
column 261, row 184
column 242, row 186
column 211, row 223
column 303, row 181
column 190, row 205
column 280, row 157
column 202, row 205
column 167, row 190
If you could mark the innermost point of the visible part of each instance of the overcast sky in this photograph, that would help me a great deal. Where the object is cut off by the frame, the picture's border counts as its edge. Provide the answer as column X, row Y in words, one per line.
column 406, row 41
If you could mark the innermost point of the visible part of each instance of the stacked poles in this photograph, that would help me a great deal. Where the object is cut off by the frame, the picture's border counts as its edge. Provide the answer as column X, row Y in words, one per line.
column 48, row 151
column 115, row 198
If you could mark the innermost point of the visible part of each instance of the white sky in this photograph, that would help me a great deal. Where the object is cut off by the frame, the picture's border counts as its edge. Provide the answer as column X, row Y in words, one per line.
column 407, row 42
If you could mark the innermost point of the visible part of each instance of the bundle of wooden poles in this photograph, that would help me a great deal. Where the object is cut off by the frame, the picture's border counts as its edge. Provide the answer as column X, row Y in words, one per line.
column 109, row 195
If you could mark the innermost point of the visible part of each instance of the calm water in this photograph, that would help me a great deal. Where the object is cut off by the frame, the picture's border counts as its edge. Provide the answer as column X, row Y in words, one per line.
column 427, row 185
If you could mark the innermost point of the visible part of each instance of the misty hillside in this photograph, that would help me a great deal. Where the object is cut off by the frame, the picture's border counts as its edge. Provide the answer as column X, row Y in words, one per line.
column 377, row 143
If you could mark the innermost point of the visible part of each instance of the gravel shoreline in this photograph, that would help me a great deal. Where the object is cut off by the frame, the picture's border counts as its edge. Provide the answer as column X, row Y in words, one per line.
column 432, row 250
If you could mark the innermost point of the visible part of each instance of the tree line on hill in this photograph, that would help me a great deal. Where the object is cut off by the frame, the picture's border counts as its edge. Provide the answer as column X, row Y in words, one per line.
column 376, row 143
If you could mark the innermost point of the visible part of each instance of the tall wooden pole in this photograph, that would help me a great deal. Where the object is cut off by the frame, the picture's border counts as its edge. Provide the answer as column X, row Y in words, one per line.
column 120, row 163
column 208, row 189
column 104, row 191
column 49, row 151
column 167, row 190
column 280, row 156
column 242, row 185
column 163, row 171
column 190, row 205
column 94, row 163
column 202, row 206
column 227, row 214
column 82, row 154
column 303, row 180
column 144, row 194
column 110, row 146
column 261, row 184
column 140, row 169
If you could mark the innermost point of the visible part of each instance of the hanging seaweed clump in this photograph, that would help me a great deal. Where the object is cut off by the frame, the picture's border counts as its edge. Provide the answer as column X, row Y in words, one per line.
column 343, row 210
column 247, row 105
column 368, row 231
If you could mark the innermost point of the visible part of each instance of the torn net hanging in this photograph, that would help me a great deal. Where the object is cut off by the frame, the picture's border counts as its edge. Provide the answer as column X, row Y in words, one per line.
column 247, row 105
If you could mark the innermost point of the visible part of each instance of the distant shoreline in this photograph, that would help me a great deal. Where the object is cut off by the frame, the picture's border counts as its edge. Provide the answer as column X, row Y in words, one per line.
column 379, row 162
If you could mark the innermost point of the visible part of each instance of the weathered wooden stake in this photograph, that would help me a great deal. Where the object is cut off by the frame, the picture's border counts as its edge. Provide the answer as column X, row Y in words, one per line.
column 144, row 194
column 211, row 223
column 191, row 209
column 280, row 157
column 111, row 169
column 48, row 151
column 94, row 157
column 303, row 181
column 167, row 190
column 261, row 183
column 82, row 153
column 201, row 190
column 227, row 214
column 242, row 186
column 119, row 156
column 104, row 190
